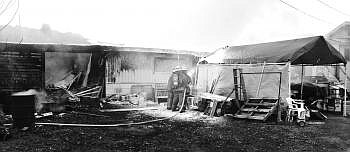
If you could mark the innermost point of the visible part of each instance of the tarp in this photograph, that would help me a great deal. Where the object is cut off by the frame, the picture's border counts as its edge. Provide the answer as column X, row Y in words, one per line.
column 311, row 91
column 311, row 50
column 313, row 74
column 269, row 84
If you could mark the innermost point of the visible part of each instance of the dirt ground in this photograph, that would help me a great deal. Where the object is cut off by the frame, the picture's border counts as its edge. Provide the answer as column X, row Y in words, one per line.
column 189, row 131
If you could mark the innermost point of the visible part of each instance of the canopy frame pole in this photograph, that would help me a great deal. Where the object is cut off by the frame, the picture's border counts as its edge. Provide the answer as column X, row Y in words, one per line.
column 207, row 81
column 345, row 89
column 260, row 80
column 289, row 79
column 302, row 82
column 239, row 64
column 178, row 59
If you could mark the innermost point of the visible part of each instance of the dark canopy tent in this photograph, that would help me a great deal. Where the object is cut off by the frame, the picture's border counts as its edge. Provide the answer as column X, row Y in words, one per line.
column 310, row 51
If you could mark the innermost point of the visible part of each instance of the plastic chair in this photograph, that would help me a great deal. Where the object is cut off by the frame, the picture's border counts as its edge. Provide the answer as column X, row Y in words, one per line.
column 296, row 108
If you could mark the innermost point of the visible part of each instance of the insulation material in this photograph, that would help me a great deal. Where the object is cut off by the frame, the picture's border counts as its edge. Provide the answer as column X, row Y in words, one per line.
column 97, row 68
column 59, row 64
column 269, row 82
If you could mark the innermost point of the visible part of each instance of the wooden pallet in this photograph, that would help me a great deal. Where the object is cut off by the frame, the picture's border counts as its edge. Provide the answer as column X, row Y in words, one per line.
column 215, row 100
column 257, row 108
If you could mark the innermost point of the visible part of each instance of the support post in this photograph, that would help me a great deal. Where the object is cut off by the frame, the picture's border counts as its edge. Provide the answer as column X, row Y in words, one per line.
column 289, row 78
column 260, row 80
column 302, row 82
column 279, row 112
column 178, row 59
column 345, row 89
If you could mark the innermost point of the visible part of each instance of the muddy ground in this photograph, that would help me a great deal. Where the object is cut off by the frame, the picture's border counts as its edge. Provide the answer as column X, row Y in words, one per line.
column 190, row 131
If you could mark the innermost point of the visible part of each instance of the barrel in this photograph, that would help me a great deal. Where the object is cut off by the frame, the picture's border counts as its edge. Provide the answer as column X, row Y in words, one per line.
column 23, row 109
column 5, row 102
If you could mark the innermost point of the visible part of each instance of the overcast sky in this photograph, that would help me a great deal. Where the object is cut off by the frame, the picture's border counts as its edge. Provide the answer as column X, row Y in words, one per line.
column 198, row 25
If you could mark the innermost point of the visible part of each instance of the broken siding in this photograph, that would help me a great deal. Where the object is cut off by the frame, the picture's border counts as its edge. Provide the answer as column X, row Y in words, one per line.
column 129, row 68
column 143, row 67
column 135, row 76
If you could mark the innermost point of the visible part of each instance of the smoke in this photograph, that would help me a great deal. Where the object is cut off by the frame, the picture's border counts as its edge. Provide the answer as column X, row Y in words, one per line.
column 43, row 35
column 45, row 28
column 40, row 99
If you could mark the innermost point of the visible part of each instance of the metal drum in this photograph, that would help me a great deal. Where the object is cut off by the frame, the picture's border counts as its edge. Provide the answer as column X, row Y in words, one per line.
column 23, row 109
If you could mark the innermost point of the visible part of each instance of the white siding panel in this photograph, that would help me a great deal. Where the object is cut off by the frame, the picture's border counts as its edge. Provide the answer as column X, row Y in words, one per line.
column 135, row 76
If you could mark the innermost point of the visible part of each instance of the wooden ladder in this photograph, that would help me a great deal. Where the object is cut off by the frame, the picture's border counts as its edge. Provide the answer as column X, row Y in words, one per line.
column 239, row 85
column 257, row 108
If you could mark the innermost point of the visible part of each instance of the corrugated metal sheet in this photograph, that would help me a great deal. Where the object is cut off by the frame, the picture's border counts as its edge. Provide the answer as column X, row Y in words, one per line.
column 124, row 70
column 20, row 70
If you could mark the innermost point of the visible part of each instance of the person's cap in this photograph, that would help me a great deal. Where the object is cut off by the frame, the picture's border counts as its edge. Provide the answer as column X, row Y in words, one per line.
column 179, row 68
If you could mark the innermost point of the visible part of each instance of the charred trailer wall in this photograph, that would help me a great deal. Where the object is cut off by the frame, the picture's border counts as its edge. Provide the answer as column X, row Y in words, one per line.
column 98, row 69
column 21, row 68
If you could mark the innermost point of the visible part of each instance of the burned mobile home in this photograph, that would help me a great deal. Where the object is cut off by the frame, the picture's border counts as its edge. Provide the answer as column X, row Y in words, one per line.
column 115, row 70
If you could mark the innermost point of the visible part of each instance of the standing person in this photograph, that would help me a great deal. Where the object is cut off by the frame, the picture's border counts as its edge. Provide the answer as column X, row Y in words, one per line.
column 183, row 81
column 172, row 82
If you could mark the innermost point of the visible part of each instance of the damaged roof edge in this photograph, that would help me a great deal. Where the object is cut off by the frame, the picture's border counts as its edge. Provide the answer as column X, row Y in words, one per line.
column 157, row 50
column 87, row 48
column 50, row 47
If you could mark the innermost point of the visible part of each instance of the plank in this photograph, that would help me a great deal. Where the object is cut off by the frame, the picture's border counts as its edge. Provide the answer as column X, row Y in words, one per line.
column 263, row 98
column 257, row 117
column 256, row 110
column 213, row 109
column 249, row 117
column 268, row 114
column 132, row 109
column 38, row 116
column 211, row 96
column 261, row 104
column 22, row 70
column 241, row 116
